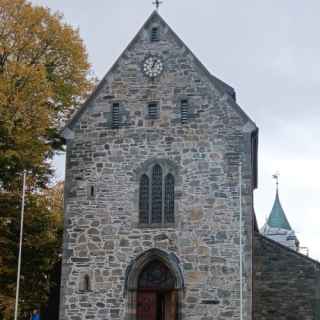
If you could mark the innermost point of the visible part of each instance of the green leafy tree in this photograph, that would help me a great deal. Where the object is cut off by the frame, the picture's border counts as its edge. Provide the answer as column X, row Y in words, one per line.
column 41, row 248
column 44, row 76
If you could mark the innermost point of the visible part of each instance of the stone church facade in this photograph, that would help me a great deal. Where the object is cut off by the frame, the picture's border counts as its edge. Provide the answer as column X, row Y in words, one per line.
column 160, row 172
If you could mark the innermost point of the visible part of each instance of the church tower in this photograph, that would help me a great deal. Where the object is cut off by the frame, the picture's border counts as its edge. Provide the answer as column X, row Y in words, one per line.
column 160, row 171
column 277, row 226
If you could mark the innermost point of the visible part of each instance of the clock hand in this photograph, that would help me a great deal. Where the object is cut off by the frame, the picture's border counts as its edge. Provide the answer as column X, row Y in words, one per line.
column 154, row 63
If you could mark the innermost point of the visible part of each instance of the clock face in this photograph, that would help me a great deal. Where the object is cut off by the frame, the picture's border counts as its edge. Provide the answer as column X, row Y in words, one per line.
column 152, row 67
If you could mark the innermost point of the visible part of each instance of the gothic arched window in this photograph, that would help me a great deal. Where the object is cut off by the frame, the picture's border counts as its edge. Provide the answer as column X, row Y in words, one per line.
column 156, row 196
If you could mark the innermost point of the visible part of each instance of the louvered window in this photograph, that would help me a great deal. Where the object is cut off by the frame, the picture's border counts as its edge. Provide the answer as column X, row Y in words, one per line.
column 144, row 199
column 184, row 110
column 169, row 199
column 156, row 196
column 153, row 112
column 115, row 116
column 154, row 37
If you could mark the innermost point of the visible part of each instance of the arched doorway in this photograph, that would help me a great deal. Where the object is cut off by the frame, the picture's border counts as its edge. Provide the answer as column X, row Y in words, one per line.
column 154, row 287
column 156, row 295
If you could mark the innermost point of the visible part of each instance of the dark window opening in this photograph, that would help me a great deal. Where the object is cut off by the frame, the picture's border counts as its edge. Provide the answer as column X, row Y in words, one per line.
column 115, row 116
column 156, row 197
column 155, row 34
column 92, row 192
column 153, row 112
column 184, row 110
column 86, row 286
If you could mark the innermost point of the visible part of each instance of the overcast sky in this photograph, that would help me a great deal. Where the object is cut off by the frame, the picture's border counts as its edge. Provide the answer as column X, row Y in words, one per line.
column 269, row 51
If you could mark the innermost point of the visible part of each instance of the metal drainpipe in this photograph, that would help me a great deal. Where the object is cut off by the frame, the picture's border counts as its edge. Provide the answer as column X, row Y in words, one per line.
column 240, row 239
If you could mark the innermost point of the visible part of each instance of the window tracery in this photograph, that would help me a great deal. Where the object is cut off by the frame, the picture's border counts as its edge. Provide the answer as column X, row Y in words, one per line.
column 156, row 275
column 156, row 196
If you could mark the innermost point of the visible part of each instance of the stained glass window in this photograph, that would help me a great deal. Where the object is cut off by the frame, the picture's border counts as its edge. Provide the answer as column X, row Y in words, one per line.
column 156, row 275
column 144, row 199
column 169, row 199
column 156, row 196
column 156, row 213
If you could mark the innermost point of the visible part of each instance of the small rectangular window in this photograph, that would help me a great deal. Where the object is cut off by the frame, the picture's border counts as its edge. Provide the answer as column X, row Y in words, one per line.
column 155, row 34
column 184, row 110
column 91, row 192
column 115, row 116
column 153, row 111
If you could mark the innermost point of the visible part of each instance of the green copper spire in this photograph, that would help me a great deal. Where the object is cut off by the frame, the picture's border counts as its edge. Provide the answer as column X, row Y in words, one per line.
column 277, row 217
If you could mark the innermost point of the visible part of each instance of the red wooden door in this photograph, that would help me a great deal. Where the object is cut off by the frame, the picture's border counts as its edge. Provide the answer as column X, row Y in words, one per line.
column 147, row 306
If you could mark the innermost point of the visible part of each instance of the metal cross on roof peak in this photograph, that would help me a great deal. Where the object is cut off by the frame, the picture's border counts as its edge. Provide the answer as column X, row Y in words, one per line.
column 157, row 3
column 276, row 177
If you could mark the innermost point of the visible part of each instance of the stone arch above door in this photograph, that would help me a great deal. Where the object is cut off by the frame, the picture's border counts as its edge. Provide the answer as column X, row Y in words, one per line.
column 170, row 286
column 135, row 268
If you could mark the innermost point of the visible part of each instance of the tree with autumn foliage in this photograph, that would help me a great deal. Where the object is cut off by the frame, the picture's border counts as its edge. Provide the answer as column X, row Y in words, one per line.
column 44, row 76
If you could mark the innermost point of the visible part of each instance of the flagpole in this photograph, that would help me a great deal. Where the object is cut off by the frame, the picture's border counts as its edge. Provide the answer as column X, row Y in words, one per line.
column 20, row 245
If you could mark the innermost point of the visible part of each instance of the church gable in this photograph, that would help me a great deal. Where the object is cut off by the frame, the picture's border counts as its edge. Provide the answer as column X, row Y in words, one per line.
column 152, row 189
column 155, row 67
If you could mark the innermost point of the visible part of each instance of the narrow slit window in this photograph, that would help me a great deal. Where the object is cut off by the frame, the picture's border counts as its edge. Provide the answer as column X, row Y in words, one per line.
column 86, row 286
column 153, row 111
column 92, row 191
column 184, row 110
column 154, row 34
column 115, row 116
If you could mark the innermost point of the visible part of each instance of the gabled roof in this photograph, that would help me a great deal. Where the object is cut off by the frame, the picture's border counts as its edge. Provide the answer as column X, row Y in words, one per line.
column 276, row 244
column 221, row 86
column 277, row 217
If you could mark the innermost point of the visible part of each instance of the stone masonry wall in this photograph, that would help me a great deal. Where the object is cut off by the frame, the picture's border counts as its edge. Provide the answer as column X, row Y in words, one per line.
column 102, row 232
column 286, row 283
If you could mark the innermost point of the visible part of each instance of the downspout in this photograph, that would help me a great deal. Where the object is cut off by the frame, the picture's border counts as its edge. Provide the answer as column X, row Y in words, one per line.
column 240, row 239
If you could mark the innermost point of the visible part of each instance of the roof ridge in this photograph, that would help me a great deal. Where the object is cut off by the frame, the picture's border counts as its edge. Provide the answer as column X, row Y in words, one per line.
column 294, row 252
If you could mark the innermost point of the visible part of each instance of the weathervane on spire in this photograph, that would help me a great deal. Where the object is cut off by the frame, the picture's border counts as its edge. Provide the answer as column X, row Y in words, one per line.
column 157, row 3
column 276, row 176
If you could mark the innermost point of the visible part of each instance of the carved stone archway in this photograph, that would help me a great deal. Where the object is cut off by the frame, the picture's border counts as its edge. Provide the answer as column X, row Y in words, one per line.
column 154, row 277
